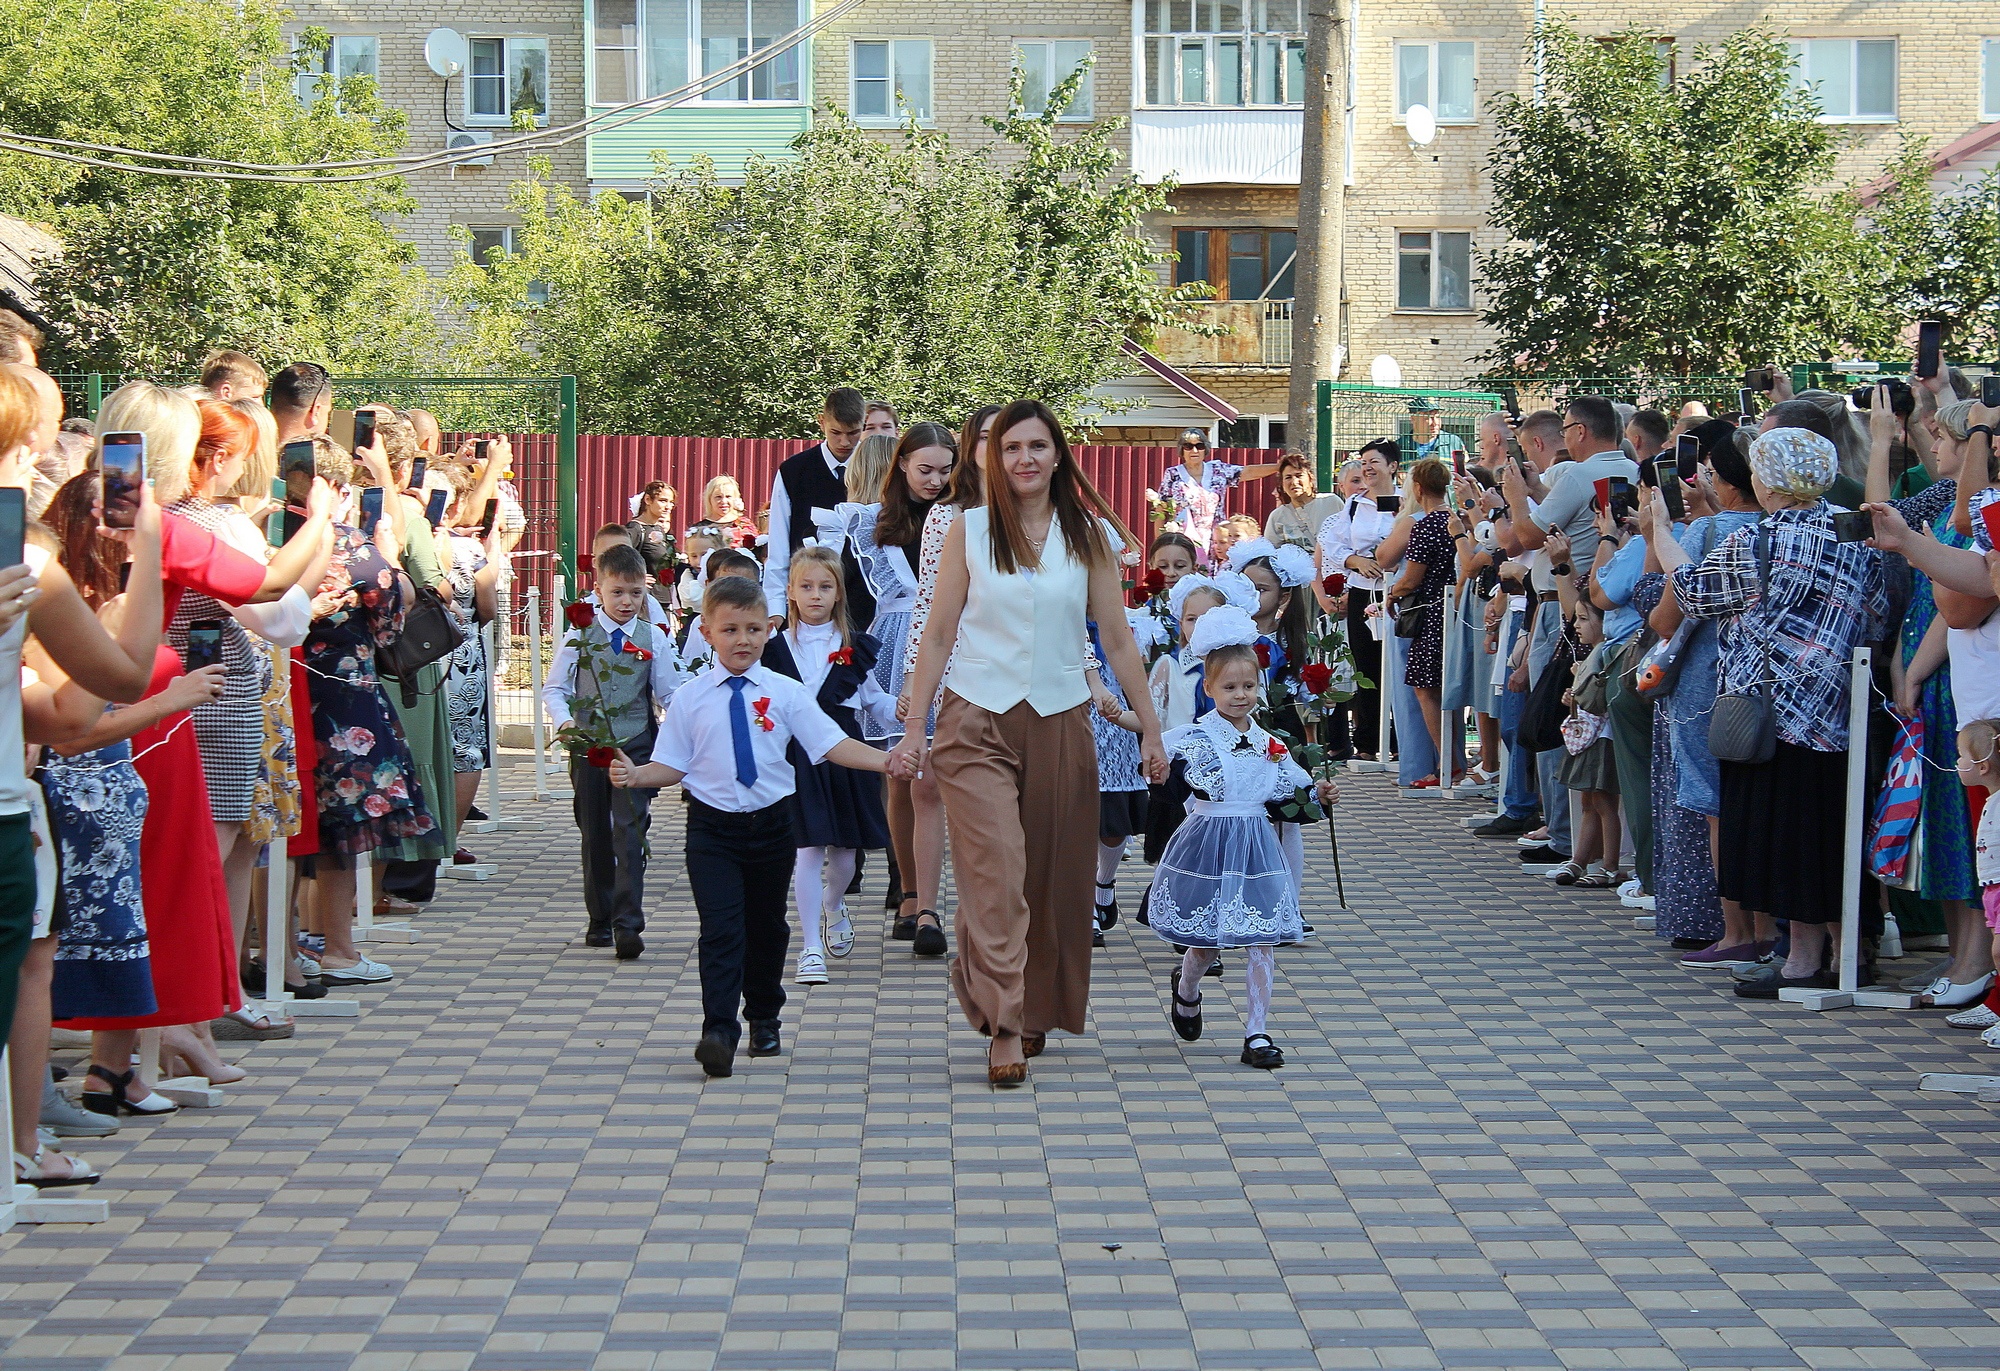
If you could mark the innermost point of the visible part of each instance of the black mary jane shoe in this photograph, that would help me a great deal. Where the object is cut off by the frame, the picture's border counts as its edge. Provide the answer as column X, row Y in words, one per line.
column 1189, row 1026
column 929, row 937
column 1107, row 914
column 904, row 928
column 764, row 1038
column 1259, row 1051
column 716, row 1054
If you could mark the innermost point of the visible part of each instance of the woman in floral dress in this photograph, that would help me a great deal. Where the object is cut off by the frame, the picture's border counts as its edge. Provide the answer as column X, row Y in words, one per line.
column 1194, row 486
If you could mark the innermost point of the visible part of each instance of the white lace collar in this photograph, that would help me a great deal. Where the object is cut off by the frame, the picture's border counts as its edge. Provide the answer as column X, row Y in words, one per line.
column 1226, row 739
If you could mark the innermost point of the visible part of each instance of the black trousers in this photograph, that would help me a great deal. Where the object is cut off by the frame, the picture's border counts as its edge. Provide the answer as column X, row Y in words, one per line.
column 613, row 825
column 1364, row 711
column 740, row 869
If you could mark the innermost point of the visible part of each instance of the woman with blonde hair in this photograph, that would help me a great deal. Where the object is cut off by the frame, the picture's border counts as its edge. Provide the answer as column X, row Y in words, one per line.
column 722, row 505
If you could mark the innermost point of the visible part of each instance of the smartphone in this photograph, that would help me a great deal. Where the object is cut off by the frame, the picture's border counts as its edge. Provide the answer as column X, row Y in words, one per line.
column 1989, row 390
column 1853, row 526
column 1990, row 515
column 13, row 525
column 123, row 464
column 1667, row 476
column 479, row 448
column 1746, row 403
column 297, row 465
column 434, row 509
column 204, row 644
column 371, row 510
column 364, row 429
column 417, row 474
column 1601, row 501
column 1930, row 342
column 1388, row 504
column 1761, row 379
column 1623, row 499
column 1458, row 463
column 1687, row 455
column 486, row 517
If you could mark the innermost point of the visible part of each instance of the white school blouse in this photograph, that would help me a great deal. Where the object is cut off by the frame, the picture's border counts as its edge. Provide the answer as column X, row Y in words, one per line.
column 695, row 737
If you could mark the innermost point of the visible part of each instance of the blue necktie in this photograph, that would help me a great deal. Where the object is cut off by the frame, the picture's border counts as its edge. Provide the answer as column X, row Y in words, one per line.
column 617, row 640
column 739, row 734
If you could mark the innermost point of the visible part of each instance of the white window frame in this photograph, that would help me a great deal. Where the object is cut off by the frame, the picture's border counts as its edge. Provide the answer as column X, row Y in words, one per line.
column 899, row 112
column 1150, row 42
column 693, row 52
column 1436, row 274
column 1081, row 110
column 1989, row 80
column 538, row 291
column 1399, row 111
column 509, row 43
column 307, row 84
column 1798, row 50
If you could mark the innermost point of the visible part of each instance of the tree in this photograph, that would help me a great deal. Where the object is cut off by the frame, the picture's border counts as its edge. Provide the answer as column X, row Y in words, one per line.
column 1671, row 227
column 156, row 271
column 933, row 277
column 1942, row 251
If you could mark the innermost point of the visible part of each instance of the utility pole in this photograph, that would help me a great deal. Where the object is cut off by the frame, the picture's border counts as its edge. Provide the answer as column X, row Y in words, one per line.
column 1318, row 274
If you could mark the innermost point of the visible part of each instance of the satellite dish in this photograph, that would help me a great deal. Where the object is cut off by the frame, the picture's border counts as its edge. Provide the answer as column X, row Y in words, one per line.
column 1422, row 125
column 445, row 52
column 1385, row 370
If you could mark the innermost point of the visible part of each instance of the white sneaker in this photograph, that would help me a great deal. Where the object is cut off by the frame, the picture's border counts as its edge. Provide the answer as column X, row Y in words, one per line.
column 1979, row 1016
column 839, row 932
column 1991, row 1037
column 1630, row 895
column 367, row 971
column 812, row 969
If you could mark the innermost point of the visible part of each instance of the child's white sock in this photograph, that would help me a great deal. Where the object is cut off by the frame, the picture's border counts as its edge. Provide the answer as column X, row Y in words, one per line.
column 1194, row 965
column 1108, row 857
column 806, row 883
column 839, row 873
column 1258, row 966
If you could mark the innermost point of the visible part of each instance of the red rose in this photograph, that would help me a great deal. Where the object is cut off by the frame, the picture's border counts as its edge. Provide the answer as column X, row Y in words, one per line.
column 579, row 614
column 1156, row 581
column 1336, row 583
column 1316, row 677
column 842, row 657
column 638, row 651
column 1275, row 750
column 1264, row 655
column 600, row 756
column 1139, row 597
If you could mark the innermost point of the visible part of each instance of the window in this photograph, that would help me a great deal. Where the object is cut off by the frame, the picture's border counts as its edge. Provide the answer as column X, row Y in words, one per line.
column 1854, row 79
column 1046, row 66
column 504, row 76
column 1241, row 263
column 1438, row 76
column 1225, row 52
column 1989, row 79
column 1663, row 54
column 349, row 55
column 891, row 81
column 645, row 48
column 489, row 240
column 1434, row 271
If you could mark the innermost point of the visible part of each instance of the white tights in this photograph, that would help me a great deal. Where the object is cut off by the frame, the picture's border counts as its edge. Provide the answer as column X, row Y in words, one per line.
column 1292, row 842
column 1108, row 857
column 820, row 882
column 1258, row 964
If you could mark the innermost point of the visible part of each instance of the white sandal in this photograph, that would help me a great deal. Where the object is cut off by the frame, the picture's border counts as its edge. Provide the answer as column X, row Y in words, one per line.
column 30, row 1171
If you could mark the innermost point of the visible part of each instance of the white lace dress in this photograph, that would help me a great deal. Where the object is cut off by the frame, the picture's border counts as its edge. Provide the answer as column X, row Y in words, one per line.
column 1223, row 881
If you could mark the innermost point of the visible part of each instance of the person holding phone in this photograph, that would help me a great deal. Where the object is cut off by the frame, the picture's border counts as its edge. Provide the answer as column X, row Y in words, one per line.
column 1347, row 547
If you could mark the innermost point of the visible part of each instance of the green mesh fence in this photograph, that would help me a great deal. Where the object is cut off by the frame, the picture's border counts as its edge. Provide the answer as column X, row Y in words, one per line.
column 1666, row 393
column 1351, row 415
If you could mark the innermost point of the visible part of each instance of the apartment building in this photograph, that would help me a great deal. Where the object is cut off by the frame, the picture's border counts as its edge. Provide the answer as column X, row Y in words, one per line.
column 1211, row 94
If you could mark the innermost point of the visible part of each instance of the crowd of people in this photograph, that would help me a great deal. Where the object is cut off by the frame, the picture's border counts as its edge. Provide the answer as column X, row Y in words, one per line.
column 211, row 667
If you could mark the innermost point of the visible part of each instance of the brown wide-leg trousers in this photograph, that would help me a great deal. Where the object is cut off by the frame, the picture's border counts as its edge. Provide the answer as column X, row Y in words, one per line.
column 1020, row 791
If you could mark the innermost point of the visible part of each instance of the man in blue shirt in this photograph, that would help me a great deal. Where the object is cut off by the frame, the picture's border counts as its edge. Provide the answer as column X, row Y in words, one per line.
column 1429, row 436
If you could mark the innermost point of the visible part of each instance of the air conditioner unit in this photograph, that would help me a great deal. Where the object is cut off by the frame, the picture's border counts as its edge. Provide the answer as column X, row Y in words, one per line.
column 470, row 138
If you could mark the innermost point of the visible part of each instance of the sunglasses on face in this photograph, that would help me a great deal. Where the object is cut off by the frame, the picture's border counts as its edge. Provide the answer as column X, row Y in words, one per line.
column 1194, row 447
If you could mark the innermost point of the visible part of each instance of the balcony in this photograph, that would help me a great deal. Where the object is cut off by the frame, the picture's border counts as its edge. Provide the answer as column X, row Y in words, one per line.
column 729, row 134
column 1259, row 337
column 1218, row 147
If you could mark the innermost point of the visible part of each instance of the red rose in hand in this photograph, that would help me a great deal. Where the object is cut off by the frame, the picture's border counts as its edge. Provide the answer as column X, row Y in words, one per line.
column 1275, row 750
column 579, row 614
column 638, row 651
column 842, row 657
column 601, row 756
column 1264, row 655
column 1155, row 582
column 1336, row 583
column 1316, row 677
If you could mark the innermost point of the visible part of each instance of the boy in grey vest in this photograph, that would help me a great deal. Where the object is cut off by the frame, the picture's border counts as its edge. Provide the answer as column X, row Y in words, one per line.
column 628, row 704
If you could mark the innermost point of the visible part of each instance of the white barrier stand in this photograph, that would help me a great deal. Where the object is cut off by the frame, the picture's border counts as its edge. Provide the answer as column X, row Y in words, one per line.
column 1850, row 993
column 21, row 1203
column 278, row 950
column 366, row 930
column 189, row 1092
column 1987, row 1088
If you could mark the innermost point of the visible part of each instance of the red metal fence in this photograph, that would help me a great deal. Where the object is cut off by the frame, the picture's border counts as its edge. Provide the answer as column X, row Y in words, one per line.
column 610, row 470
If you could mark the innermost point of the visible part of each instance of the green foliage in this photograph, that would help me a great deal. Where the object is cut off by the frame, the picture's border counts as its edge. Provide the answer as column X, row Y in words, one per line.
column 1673, row 228
column 930, row 276
column 1942, row 252
column 156, row 271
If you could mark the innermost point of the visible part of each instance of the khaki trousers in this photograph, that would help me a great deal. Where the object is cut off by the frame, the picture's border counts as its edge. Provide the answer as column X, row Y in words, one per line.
column 1020, row 792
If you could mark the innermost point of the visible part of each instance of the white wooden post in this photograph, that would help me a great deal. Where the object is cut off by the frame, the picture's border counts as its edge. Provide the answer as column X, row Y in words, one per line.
column 23, row 1203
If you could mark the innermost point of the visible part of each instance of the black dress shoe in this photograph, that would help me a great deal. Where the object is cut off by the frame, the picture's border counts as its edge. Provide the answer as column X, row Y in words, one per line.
column 764, row 1038
column 629, row 945
column 1692, row 944
column 929, row 937
column 904, row 930
column 1504, row 827
column 476, row 815
column 597, row 937
column 1767, row 986
column 1260, row 1051
column 716, row 1054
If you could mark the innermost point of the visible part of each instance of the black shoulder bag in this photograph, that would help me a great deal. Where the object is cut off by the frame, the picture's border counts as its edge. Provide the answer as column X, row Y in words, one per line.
column 430, row 634
column 1742, row 727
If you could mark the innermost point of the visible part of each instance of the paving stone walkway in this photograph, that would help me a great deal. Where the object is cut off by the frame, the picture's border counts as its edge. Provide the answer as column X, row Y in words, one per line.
column 1512, row 1134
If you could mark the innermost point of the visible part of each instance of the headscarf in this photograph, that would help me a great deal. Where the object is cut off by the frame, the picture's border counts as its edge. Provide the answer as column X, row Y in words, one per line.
column 1795, row 461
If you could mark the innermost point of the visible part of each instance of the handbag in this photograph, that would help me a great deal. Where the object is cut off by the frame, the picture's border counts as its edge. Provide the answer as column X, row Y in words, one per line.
column 430, row 633
column 1543, row 715
column 1411, row 620
column 1742, row 726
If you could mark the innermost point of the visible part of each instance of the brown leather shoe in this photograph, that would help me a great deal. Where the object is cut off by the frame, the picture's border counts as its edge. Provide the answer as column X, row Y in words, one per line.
column 1032, row 1044
column 1008, row 1076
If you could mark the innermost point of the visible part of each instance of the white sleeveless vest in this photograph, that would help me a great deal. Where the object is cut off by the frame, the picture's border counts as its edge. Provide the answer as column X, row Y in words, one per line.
column 1021, row 637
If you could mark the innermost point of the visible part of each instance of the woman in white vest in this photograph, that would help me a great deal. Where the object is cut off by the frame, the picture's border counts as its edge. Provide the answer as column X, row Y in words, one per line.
column 1014, row 757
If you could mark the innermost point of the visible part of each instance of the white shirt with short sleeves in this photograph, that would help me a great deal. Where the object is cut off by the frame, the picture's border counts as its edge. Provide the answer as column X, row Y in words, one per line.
column 695, row 737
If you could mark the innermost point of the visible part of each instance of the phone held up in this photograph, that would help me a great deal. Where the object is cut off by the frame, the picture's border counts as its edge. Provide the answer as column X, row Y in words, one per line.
column 1989, row 390
column 364, row 429
column 1853, row 526
column 1930, row 344
column 434, row 508
column 1667, row 476
column 371, row 510
column 13, row 526
column 486, row 517
column 296, row 467
column 204, row 645
column 417, row 472
column 122, row 462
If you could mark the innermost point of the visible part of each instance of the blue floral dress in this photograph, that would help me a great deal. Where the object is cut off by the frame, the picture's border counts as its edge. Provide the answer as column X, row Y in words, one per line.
column 1947, row 853
column 365, row 782
column 97, row 807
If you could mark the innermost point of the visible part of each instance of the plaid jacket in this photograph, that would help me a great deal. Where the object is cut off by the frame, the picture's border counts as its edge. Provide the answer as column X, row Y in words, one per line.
column 1824, row 597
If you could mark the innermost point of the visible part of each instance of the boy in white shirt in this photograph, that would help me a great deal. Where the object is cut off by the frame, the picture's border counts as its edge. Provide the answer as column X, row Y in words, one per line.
column 723, row 740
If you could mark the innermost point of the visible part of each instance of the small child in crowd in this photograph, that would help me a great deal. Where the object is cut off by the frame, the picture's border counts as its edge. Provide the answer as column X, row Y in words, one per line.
column 835, row 813
column 620, row 705
column 696, row 543
column 615, row 535
column 1222, row 881
column 1171, row 557
column 1589, row 766
column 693, row 650
column 725, row 739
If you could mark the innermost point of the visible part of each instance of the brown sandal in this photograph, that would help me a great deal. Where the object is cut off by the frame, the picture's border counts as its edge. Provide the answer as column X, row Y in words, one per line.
column 1009, row 1075
column 1032, row 1044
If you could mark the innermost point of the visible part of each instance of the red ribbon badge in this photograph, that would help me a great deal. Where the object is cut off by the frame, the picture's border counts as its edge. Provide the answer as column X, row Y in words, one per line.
column 842, row 657
column 763, row 719
column 638, row 651
column 1275, row 750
